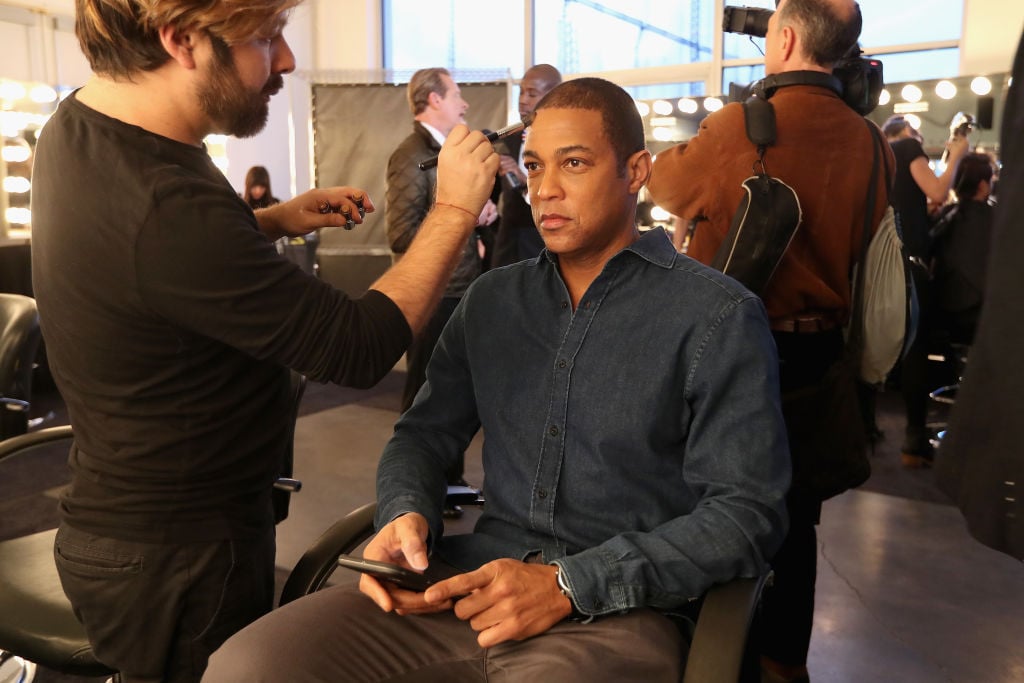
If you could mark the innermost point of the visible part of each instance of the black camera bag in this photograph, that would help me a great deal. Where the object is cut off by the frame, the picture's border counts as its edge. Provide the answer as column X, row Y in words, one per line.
column 768, row 215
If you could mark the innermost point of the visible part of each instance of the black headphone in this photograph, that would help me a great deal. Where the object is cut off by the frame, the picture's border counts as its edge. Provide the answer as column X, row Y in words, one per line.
column 767, row 86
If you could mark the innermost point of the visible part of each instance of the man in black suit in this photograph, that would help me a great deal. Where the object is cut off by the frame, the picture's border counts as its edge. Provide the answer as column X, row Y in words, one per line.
column 517, row 237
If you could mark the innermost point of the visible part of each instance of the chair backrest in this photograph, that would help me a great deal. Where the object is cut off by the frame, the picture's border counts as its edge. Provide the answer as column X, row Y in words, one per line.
column 36, row 620
column 19, row 342
column 32, row 467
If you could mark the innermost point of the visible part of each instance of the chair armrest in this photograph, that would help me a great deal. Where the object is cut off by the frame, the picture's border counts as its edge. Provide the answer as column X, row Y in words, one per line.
column 720, row 639
column 23, row 443
column 318, row 562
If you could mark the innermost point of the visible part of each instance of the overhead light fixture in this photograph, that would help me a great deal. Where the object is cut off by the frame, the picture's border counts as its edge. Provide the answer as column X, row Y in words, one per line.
column 11, row 90
column 16, row 151
column 914, row 120
column 17, row 215
column 660, row 214
column 911, row 93
column 662, row 107
column 42, row 94
column 884, row 97
column 643, row 108
column 16, row 184
column 945, row 89
column 713, row 104
column 981, row 86
column 688, row 105
column 662, row 134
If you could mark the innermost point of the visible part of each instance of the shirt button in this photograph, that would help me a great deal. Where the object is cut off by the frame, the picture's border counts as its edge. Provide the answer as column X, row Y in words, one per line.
column 553, row 430
column 561, row 363
column 542, row 494
column 565, row 304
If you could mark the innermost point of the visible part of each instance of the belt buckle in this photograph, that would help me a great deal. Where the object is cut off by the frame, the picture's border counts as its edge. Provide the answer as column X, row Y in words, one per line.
column 805, row 325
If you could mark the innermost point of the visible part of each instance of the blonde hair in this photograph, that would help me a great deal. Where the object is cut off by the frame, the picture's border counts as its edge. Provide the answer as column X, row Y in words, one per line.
column 121, row 37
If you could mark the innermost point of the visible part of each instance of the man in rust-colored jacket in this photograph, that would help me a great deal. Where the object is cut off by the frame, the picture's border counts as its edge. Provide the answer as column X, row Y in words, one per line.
column 824, row 151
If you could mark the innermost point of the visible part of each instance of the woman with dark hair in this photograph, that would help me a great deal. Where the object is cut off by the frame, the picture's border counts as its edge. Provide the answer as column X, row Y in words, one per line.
column 960, row 249
column 257, row 189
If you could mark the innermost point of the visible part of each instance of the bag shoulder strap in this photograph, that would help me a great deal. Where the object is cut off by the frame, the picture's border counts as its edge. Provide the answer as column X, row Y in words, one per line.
column 855, row 338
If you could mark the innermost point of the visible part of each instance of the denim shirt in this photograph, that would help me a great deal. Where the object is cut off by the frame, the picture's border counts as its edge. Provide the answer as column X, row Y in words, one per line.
column 637, row 441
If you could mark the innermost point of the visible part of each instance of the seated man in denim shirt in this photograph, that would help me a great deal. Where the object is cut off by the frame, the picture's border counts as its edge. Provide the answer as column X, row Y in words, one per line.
column 635, row 452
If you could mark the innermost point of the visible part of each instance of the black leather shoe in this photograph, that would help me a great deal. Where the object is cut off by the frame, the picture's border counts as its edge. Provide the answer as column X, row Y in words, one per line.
column 452, row 511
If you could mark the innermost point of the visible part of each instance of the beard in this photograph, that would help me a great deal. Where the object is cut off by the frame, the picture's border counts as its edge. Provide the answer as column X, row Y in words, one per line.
column 233, row 108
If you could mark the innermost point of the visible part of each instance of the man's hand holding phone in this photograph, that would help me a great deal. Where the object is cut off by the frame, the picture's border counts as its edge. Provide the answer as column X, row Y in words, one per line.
column 402, row 542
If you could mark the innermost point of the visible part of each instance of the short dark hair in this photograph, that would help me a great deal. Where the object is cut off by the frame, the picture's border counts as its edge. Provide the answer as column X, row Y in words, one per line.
column 621, row 121
column 827, row 36
column 972, row 169
column 894, row 125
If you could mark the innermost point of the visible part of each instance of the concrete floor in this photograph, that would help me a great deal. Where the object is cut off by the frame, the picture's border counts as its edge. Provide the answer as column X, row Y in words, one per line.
column 904, row 594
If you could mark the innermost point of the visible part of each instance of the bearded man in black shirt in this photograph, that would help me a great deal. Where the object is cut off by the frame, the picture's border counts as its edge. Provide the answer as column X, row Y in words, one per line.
column 170, row 321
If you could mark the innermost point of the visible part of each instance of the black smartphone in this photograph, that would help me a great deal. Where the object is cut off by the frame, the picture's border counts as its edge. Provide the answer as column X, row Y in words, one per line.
column 384, row 571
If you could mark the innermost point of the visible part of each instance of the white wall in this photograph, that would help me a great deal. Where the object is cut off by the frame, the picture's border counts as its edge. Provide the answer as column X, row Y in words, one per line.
column 992, row 29
column 325, row 35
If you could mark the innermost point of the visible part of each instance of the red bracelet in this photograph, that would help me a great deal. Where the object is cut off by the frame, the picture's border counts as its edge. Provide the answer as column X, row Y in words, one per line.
column 467, row 211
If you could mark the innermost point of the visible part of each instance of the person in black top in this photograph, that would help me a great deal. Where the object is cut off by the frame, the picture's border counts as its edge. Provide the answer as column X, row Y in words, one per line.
column 961, row 239
column 170, row 321
column 518, row 238
column 915, row 185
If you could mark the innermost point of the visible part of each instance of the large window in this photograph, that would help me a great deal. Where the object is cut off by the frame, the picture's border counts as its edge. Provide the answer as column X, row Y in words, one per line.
column 898, row 67
column 901, row 22
column 640, row 41
column 468, row 35
column 587, row 36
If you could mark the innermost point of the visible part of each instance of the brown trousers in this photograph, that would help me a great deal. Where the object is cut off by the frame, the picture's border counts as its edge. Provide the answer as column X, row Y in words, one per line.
column 340, row 635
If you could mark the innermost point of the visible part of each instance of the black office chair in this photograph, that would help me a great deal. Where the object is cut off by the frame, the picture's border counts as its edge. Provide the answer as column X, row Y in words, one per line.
column 19, row 343
column 719, row 651
column 37, row 624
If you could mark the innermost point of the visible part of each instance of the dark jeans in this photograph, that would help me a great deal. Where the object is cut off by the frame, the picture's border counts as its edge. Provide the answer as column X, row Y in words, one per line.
column 786, row 619
column 914, row 374
column 156, row 612
column 783, row 626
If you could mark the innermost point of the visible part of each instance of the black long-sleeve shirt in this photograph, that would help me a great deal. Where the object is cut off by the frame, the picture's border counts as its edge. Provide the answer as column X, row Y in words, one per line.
column 169, row 320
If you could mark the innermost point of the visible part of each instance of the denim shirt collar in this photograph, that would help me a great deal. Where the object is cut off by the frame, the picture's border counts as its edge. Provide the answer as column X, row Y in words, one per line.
column 653, row 246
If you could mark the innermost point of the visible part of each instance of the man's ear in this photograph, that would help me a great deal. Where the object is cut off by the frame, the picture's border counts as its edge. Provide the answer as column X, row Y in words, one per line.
column 179, row 44
column 638, row 170
column 788, row 44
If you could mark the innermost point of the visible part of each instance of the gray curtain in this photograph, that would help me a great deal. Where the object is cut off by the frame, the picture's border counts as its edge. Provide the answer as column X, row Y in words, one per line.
column 355, row 129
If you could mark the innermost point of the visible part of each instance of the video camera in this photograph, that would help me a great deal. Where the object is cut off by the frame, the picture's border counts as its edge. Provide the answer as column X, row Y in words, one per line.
column 860, row 77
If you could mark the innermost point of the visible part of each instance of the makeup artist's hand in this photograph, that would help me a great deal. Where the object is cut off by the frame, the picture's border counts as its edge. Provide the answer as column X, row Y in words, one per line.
column 317, row 208
column 466, row 168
